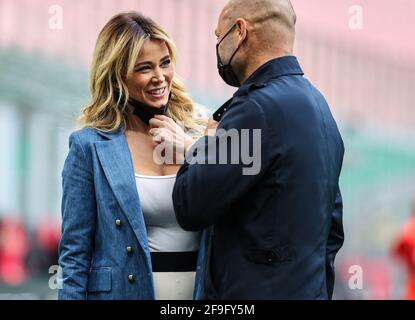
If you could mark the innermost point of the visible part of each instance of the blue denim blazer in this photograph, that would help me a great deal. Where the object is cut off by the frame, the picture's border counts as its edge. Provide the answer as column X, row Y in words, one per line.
column 101, row 217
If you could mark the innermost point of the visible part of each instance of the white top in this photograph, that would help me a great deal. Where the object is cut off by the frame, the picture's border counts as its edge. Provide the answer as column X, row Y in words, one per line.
column 163, row 231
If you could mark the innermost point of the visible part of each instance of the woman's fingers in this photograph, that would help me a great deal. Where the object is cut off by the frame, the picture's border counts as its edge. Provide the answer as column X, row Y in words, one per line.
column 164, row 122
column 164, row 129
column 157, row 123
column 169, row 122
column 158, row 139
column 162, row 134
column 153, row 131
column 164, row 118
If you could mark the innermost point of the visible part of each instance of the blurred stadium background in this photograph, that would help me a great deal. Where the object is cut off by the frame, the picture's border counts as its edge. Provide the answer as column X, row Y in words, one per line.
column 367, row 75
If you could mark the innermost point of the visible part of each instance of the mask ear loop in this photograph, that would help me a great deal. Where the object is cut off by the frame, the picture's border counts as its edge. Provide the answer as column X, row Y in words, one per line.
column 236, row 50
column 230, row 60
column 218, row 44
column 226, row 34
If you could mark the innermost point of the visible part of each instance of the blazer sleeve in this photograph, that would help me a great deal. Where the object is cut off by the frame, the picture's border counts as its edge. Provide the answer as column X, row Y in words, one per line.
column 335, row 240
column 209, row 184
column 78, row 222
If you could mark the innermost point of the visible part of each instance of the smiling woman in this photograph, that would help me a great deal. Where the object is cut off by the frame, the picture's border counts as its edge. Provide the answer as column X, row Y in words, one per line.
column 120, row 236
column 150, row 83
column 153, row 74
column 133, row 55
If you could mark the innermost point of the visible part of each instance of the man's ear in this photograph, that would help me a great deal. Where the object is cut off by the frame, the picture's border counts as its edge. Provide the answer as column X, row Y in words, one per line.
column 241, row 26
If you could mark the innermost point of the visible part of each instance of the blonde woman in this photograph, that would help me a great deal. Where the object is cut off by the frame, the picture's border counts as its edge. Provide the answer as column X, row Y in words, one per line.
column 120, row 237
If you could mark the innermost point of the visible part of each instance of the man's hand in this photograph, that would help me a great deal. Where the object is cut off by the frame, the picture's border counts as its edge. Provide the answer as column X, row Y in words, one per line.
column 211, row 127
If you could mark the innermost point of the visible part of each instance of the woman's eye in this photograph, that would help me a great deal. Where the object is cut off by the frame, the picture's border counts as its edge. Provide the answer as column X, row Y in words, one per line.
column 143, row 69
column 166, row 63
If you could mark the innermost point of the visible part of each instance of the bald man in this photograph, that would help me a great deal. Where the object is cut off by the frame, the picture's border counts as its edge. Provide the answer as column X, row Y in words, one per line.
column 274, row 226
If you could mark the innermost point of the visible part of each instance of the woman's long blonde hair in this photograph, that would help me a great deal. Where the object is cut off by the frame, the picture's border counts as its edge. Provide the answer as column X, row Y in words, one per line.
column 116, row 52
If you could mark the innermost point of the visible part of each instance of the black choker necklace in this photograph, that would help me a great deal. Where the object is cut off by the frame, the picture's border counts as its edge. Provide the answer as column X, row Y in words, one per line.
column 146, row 112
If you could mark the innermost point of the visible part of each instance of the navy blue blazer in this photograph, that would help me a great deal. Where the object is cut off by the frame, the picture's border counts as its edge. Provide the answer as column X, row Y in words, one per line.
column 104, row 252
column 274, row 234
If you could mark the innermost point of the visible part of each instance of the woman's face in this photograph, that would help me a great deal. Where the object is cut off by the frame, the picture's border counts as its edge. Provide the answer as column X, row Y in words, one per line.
column 151, row 80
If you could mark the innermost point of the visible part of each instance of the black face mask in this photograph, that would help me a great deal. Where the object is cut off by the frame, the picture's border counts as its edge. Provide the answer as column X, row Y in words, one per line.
column 146, row 112
column 225, row 70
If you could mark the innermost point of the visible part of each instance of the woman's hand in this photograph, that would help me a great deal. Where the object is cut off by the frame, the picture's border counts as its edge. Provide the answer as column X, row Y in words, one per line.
column 171, row 137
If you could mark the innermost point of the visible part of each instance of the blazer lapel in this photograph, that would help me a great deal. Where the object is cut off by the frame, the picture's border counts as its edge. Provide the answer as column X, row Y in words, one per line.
column 115, row 158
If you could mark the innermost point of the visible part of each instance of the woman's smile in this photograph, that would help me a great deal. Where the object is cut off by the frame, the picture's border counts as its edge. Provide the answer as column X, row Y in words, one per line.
column 158, row 93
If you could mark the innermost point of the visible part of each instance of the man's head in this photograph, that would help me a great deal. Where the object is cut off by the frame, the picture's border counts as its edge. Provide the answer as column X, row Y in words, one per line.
column 259, row 29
